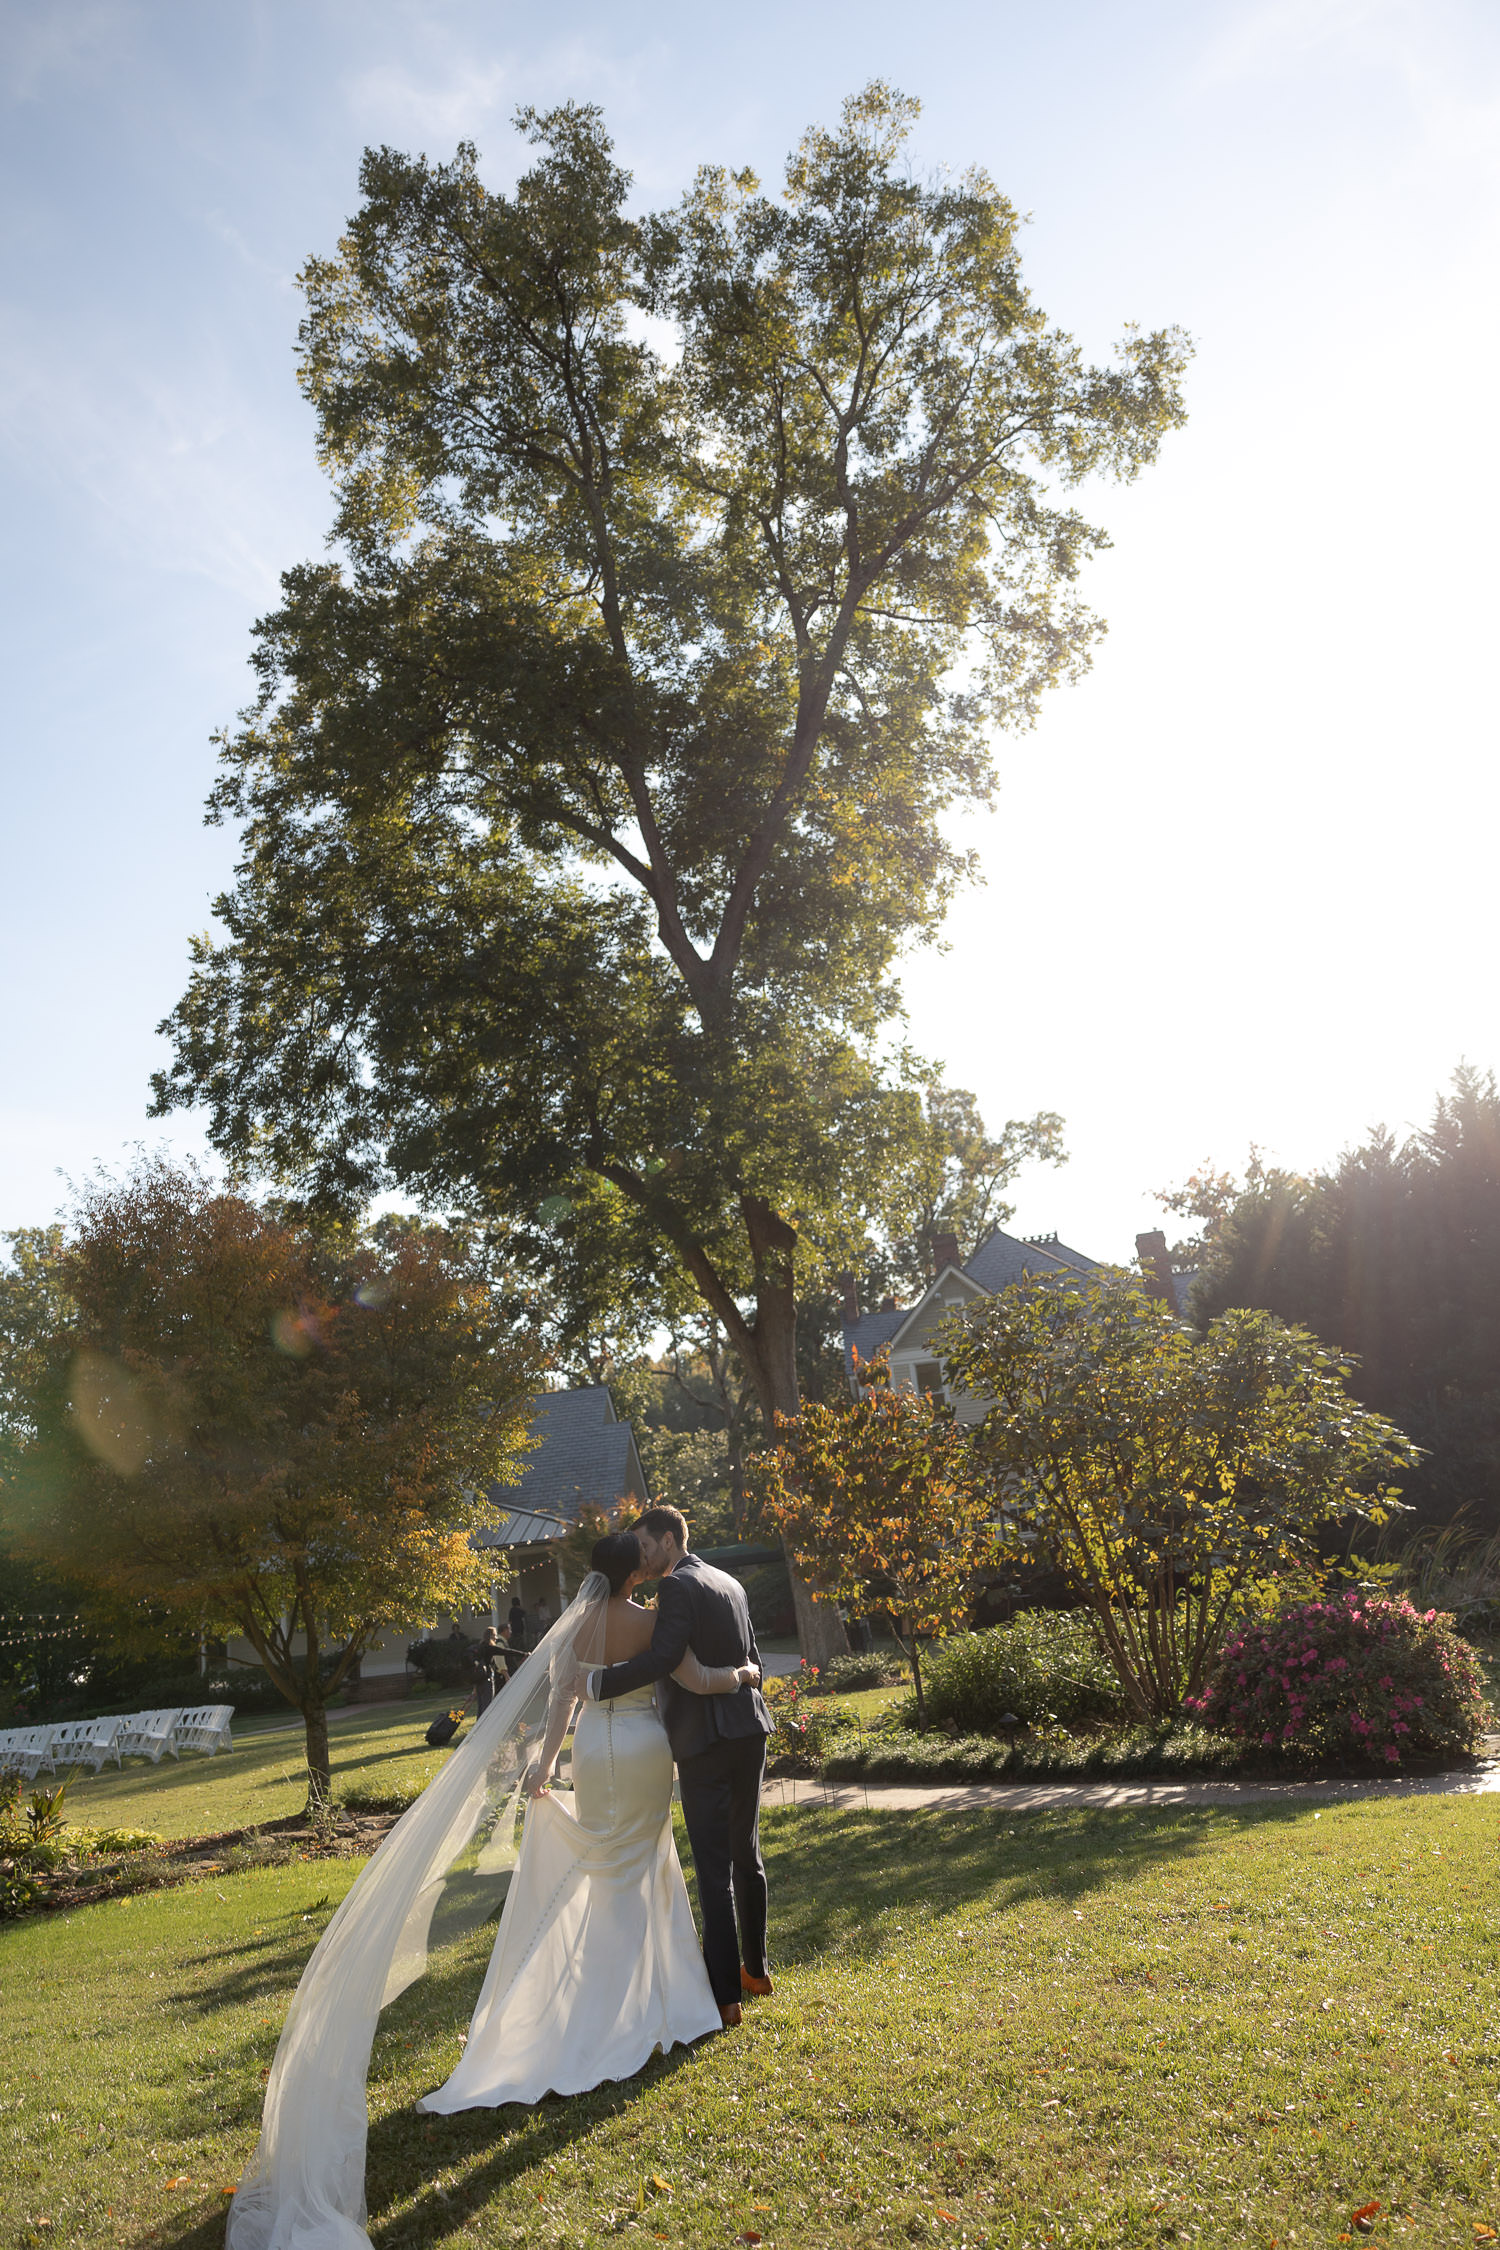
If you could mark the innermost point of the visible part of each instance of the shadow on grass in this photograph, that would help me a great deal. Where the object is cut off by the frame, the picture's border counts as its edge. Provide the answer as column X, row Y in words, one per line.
column 837, row 1875
column 839, row 1880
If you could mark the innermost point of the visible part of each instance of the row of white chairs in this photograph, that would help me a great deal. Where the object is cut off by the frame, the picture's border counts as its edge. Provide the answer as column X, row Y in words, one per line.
column 92, row 1742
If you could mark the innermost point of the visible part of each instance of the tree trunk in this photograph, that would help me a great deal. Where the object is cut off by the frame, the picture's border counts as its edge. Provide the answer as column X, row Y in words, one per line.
column 914, row 1659
column 319, row 1774
column 820, row 1629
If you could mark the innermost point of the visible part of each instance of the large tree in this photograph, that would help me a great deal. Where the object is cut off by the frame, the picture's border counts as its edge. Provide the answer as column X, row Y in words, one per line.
column 258, row 1427
column 686, row 564
column 1393, row 1255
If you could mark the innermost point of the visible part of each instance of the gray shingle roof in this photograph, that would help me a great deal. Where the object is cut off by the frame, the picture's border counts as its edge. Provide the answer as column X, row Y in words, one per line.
column 1069, row 1257
column 584, row 1457
column 870, row 1336
column 1002, row 1258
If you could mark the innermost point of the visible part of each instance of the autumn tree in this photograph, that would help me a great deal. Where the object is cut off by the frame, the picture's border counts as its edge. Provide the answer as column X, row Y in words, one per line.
column 266, row 1429
column 1164, row 1473
column 883, row 1503
column 686, row 564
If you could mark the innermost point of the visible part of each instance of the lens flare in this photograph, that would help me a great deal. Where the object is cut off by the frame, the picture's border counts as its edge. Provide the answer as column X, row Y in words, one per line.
column 112, row 1417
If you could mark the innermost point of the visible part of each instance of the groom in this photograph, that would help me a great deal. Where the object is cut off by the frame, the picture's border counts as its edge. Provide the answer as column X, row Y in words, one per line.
column 719, row 1742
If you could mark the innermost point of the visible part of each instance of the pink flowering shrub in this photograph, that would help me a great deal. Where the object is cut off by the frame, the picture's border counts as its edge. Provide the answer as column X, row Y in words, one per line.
column 1356, row 1676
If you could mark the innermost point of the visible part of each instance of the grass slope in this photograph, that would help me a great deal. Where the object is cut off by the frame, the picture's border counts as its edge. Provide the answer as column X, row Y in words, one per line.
column 264, row 1777
column 1082, row 2028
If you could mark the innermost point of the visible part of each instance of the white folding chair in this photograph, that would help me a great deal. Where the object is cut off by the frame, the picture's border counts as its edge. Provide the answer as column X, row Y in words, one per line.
column 28, row 1750
column 146, row 1734
column 87, row 1742
column 205, row 1728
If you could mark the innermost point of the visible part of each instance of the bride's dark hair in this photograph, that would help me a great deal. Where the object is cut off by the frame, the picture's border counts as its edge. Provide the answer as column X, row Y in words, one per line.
column 616, row 1556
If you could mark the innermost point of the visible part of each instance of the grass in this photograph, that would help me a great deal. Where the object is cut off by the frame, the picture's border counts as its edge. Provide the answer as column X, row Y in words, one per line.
column 1104, row 2028
column 263, row 1778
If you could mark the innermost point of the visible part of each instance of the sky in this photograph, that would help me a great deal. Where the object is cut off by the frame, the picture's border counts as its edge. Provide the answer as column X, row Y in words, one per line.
column 1240, row 882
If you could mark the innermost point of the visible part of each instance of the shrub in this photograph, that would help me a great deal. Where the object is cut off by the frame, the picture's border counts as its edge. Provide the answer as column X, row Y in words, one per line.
column 1357, row 1676
column 445, row 1660
column 1044, row 1668
column 18, row 1893
column 806, row 1727
column 846, row 1675
column 107, row 1843
column 768, row 1591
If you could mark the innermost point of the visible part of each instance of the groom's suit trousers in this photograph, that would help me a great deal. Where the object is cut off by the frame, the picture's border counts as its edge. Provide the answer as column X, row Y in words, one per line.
column 721, row 1806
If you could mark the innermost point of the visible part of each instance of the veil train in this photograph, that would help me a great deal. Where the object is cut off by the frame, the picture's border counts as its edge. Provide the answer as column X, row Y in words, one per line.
column 305, row 2187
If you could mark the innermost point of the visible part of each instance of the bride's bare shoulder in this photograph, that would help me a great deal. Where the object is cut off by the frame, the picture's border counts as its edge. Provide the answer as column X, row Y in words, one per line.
column 629, row 1630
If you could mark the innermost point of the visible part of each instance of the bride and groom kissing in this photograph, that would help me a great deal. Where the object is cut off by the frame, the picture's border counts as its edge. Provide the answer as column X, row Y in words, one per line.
column 596, row 1963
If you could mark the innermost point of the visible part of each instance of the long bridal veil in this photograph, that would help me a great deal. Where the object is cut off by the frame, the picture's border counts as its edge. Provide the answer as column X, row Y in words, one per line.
column 440, row 1872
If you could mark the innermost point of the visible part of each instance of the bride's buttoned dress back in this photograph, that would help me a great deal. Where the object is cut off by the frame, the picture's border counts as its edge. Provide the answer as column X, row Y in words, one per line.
column 597, row 1963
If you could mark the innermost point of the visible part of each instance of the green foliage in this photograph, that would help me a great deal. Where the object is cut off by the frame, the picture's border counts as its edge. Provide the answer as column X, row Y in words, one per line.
column 768, row 1590
column 1043, row 1668
column 807, row 1725
column 1359, row 1677
column 264, row 1427
column 1164, row 1473
column 847, row 1675
column 1184, row 1749
column 882, row 1502
column 594, row 792
column 19, row 1893
column 1392, row 1256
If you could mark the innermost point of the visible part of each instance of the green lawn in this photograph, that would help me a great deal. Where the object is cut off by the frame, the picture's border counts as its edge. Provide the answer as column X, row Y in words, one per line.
column 1223, row 2026
column 264, row 1777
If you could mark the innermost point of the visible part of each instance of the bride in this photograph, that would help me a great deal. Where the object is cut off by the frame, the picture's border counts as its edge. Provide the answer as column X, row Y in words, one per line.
column 596, row 1963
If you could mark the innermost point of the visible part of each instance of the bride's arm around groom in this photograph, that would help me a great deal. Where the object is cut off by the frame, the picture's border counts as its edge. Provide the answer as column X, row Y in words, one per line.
column 719, row 1742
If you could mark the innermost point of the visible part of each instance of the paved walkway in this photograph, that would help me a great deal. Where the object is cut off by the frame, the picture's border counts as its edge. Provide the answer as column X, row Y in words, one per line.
column 1111, row 1796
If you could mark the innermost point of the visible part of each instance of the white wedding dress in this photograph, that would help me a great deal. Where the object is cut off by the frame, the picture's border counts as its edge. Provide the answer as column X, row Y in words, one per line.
column 597, row 1962
column 595, row 1966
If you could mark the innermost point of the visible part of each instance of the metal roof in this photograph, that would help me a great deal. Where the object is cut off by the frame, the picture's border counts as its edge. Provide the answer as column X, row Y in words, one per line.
column 522, row 1529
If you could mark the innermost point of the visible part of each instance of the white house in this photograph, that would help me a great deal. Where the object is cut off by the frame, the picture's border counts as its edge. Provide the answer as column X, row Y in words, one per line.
column 907, row 1333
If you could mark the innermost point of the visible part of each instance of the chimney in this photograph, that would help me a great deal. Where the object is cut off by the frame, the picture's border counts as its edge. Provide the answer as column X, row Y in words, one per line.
column 1151, row 1249
column 945, row 1253
column 850, row 1288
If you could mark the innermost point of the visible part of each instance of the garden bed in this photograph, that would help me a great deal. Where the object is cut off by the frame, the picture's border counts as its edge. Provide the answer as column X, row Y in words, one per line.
column 86, row 1878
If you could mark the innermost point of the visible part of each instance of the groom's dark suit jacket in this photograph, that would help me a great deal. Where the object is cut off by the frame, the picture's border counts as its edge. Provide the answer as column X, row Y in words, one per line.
column 705, row 1610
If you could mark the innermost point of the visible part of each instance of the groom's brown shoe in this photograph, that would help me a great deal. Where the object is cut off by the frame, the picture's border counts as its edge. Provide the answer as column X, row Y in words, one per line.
column 757, row 1988
column 734, row 2014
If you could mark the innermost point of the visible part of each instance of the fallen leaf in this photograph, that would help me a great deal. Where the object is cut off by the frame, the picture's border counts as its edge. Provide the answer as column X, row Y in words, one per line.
column 1364, row 2218
column 662, row 2187
column 1482, row 2233
column 950, row 2216
column 748, row 2234
column 181, row 2180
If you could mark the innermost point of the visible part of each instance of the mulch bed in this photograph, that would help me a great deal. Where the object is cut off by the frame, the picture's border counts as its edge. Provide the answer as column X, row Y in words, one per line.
column 187, row 1859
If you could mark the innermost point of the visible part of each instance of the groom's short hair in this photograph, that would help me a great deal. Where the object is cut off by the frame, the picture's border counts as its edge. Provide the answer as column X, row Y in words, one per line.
column 665, row 1523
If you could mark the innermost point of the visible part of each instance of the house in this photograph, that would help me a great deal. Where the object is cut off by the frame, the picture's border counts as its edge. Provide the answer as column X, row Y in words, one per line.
column 583, row 1456
column 907, row 1332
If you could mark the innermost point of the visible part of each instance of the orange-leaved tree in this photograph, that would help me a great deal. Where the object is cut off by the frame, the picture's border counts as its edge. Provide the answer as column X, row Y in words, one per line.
column 265, row 1428
column 882, row 1502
